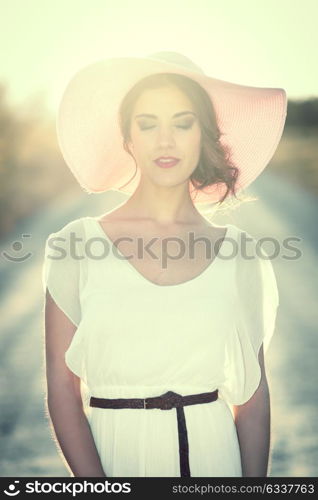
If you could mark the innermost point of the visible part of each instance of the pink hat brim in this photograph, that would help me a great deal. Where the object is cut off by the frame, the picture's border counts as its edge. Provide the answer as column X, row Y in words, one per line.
column 251, row 120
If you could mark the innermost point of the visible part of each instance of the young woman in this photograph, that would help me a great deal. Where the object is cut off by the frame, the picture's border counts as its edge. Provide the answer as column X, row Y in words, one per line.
column 163, row 316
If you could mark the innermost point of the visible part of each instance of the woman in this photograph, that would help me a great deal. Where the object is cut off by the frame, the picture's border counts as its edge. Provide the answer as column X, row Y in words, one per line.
column 165, row 312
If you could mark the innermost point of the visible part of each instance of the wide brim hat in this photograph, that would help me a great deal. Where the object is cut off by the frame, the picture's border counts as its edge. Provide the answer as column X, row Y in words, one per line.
column 251, row 121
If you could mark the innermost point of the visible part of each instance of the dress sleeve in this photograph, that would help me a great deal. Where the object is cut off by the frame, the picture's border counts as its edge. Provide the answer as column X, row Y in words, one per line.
column 61, row 272
column 253, row 325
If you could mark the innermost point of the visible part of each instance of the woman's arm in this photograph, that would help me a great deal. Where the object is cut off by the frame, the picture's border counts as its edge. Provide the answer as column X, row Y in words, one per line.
column 252, row 421
column 64, row 399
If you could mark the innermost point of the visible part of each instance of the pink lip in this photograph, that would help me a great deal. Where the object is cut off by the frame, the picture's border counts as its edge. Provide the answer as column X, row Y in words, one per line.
column 166, row 164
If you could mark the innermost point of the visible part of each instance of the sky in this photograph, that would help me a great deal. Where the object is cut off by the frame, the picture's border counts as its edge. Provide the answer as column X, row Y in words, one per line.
column 266, row 43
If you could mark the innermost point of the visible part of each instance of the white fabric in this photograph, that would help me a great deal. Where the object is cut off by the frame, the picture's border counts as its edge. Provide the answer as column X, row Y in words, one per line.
column 139, row 339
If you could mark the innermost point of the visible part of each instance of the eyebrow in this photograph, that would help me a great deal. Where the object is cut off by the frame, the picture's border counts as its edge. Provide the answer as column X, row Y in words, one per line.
column 147, row 115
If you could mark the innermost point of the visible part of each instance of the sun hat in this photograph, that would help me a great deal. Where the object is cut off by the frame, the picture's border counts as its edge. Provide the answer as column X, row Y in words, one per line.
column 251, row 120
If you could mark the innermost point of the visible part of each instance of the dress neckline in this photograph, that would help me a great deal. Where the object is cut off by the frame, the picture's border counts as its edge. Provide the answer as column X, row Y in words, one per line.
column 211, row 267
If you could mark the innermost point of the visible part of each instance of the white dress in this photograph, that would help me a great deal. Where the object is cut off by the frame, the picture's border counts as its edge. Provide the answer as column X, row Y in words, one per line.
column 136, row 339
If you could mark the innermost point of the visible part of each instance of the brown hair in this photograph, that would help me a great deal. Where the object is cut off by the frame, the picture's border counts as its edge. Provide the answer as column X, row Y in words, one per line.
column 214, row 165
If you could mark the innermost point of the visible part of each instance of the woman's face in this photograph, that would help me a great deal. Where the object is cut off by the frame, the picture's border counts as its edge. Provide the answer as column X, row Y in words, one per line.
column 172, row 130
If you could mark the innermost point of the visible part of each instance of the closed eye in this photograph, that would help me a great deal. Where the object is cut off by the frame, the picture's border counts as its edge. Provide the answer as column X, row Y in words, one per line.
column 185, row 127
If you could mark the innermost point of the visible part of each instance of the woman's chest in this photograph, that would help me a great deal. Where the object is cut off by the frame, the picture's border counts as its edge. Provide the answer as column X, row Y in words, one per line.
column 165, row 259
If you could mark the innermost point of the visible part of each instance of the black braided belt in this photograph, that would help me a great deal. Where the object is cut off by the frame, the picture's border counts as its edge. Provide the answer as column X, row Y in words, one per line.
column 166, row 401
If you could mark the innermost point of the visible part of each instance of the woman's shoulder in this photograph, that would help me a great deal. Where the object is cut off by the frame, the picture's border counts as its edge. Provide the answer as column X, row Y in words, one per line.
column 240, row 231
column 74, row 226
column 250, row 247
column 242, row 235
column 66, row 236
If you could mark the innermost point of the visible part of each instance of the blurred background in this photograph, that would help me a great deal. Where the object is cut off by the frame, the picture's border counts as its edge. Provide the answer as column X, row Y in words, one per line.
column 42, row 44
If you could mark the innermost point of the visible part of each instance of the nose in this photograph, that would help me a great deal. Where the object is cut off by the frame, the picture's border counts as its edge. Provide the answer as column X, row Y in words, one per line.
column 166, row 137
